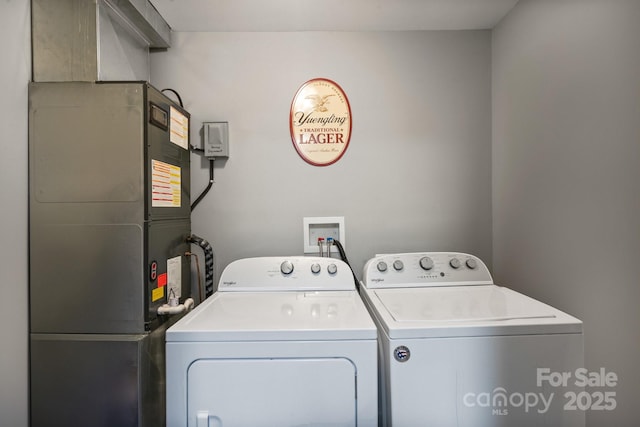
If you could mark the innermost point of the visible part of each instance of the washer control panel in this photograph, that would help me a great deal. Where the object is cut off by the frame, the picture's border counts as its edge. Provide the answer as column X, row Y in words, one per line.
column 421, row 269
column 287, row 274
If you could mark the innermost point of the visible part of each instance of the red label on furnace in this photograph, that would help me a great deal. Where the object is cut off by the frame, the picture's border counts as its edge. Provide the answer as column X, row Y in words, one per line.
column 162, row 279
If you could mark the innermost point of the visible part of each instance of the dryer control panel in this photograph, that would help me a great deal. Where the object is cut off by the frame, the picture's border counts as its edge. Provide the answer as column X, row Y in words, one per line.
column 293, row 273
column 424, row 269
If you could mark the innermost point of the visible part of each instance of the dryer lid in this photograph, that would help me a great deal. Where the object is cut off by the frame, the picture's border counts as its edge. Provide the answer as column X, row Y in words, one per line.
column 467, row 311
column 276, row 316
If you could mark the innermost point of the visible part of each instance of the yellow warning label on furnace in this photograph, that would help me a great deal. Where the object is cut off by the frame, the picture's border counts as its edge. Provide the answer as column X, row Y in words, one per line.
column 157, row 294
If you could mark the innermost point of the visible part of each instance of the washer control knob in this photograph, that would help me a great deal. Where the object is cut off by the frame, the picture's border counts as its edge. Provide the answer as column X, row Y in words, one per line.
column 472, row 263
column 332, row 268
column 426, row 263
column 315, row 268
column 454, row 263
column 398, row 265
column 286, row 267
column 382, row 266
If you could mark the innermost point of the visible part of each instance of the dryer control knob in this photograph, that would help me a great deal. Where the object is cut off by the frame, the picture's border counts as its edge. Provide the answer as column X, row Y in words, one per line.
column 454, row 263
column 426, row 263
column 315, row 268
column 382, row 266
column 472, row 263
column 332, row 268
column 398, row 265
column 286, row 267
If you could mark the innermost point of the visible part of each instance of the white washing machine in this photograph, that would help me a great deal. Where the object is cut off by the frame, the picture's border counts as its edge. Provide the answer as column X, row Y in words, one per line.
column 285, row 341
column 458, row 351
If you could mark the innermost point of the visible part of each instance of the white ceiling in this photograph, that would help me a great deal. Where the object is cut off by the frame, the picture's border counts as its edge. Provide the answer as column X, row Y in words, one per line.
column 332, row 15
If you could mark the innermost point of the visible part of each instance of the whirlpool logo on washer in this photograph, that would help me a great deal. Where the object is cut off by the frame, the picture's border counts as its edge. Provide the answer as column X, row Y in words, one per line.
column 402, row 354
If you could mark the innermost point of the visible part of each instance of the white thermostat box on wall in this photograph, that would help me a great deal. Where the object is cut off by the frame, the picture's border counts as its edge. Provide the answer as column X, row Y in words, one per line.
column 216, row 139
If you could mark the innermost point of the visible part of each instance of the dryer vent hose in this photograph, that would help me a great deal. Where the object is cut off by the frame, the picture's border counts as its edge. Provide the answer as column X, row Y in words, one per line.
column 208, row 260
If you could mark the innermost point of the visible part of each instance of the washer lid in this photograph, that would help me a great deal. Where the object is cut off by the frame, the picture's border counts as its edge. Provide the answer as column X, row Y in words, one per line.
column 466, row 311
column 276, row 316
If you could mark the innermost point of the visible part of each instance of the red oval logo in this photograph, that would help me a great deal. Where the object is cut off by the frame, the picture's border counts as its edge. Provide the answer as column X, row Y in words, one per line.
column 320, row 122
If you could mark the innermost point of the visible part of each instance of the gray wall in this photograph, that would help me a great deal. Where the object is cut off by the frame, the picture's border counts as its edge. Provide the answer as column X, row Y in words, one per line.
column 566, row 174
column 416, row 176
column 14, row 77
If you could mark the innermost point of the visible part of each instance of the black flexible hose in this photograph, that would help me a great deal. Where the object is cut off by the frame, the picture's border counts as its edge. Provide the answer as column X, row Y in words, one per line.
column 343, row 257
column 176, row 94
column 206, row 190
column 208, row 261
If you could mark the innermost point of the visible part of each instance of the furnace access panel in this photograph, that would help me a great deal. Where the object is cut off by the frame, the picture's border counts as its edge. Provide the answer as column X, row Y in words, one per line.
column 109, row 206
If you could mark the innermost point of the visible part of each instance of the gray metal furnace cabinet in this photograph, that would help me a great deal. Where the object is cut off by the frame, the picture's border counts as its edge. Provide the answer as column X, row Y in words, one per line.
column 109, row 180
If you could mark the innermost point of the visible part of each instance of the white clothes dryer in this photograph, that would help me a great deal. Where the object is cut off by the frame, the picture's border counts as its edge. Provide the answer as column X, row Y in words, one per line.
column 458, row 351
column 285, row 341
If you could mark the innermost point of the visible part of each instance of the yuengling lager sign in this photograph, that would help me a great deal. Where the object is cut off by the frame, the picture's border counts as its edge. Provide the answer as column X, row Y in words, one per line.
column 320, row 122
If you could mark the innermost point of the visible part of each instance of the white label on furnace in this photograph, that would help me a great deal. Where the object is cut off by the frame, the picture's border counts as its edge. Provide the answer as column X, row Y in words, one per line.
column 165, row 185
column 174, row 277
column 179, row 128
